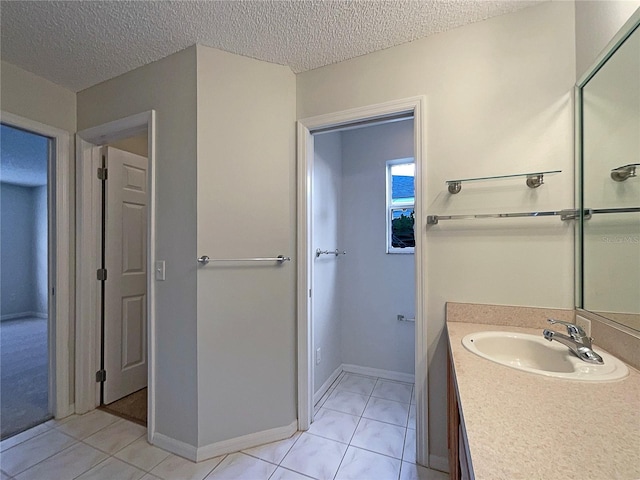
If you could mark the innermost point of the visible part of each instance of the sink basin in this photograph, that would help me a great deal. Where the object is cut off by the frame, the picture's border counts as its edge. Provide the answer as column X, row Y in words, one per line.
column 534, row 354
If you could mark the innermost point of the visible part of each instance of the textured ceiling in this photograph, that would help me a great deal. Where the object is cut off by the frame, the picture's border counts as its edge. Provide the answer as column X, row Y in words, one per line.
column 23, row 157
column 77, row 44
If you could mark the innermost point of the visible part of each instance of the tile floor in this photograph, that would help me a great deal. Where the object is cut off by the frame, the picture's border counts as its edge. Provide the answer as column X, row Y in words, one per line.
column 364, row 429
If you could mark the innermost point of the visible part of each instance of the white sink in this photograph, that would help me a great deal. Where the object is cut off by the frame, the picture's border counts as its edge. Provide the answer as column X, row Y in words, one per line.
column 534, row 354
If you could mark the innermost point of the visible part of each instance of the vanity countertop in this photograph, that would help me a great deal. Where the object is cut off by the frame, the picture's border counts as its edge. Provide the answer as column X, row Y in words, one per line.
column 525, row 426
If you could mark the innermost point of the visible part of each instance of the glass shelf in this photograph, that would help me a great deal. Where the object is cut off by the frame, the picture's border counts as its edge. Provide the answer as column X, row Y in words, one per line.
column 534, row 179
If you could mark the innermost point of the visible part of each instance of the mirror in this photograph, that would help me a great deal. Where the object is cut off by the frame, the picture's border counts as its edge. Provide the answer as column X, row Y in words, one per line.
column 608, row 120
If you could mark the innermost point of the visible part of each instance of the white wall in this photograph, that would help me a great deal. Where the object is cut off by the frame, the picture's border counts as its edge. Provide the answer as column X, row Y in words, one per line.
column 498, row 101
column 25, row 94
column 375, row 286
column 327, row 285
column 17, row 245
column 597, row 21
column 245, row 208
column 169, row 87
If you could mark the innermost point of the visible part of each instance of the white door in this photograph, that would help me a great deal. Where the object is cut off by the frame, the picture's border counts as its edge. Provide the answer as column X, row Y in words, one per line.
column 125, row 307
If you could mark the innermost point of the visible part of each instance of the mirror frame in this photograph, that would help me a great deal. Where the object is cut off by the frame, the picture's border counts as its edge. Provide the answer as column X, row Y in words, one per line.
column 623, row 34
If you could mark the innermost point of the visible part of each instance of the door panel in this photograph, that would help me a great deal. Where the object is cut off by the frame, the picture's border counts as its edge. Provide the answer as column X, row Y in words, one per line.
column 125, row 339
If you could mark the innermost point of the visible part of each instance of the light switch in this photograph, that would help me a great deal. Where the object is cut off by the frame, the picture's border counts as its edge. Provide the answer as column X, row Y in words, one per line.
column 160, row 275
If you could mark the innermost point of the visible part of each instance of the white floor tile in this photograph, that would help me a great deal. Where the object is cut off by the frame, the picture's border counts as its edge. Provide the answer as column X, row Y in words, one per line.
column 357, row 384
column 239, row 466
column 273, row 452
column 387, row 411
column 141, row 454
column 361, row 464
column 34, row 450
column 316, row 457
column 5, row 476
column 379, row 437
column 148, row 476
column 284, row 474
column 334, row 425
column 67, row 464
column 411, row 423
column 24, row 436
column 411, row 471
column 85, row 425
column 398, row 392
column 116, row 436
column 346, row 402
column 409, row 453
column 113, row 469
column 178, row 468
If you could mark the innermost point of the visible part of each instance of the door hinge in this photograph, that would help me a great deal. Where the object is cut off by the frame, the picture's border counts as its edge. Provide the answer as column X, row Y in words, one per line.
column 102, row 173
column 102, row 274
column 309, row 293
column 101, row 376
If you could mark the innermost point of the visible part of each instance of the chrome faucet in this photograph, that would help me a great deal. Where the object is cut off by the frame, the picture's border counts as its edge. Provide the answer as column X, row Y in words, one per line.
column 577, row 341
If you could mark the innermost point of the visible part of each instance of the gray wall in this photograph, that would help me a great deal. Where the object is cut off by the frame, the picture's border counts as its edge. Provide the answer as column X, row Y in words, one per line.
column 376, row 286
column 23, row 248
column 596, row 24
column 169, row 87
column 16, row 236
column 246, row 178
column 327, row 235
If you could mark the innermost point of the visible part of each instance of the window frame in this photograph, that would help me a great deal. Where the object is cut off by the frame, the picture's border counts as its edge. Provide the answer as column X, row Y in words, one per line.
column 391, row 205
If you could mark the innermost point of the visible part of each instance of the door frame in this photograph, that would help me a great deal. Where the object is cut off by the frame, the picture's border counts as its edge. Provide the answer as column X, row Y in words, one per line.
column 60, row 280
column 305, row 165
column 88, row 247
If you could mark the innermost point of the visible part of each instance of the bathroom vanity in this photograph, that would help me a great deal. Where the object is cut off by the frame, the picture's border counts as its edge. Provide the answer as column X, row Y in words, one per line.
column 510, row 424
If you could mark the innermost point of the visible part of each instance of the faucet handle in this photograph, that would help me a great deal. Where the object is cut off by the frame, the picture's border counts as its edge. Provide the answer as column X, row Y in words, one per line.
column 573, row 329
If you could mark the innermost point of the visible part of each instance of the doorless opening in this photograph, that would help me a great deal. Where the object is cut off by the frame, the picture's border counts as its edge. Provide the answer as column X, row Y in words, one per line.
column 25, row 284
column 306, row 355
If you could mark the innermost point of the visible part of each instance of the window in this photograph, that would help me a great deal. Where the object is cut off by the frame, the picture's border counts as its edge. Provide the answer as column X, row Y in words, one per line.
column 400, row 205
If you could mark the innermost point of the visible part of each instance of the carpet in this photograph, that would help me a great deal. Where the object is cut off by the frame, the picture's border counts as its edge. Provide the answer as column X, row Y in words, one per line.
column 132, row 407
column 24, row 375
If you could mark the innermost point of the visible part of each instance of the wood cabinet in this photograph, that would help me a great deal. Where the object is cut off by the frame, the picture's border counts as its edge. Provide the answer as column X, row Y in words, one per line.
column 459, row 460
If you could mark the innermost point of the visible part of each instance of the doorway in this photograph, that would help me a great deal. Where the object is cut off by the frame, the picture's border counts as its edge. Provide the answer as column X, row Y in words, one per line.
column 307, row 355
column 114, row 339
column 24, row 310
column 125, row 202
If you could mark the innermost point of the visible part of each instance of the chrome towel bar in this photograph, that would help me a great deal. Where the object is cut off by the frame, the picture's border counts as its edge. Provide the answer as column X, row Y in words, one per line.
column 205, row 259
column 568, row 214
column 564, row 215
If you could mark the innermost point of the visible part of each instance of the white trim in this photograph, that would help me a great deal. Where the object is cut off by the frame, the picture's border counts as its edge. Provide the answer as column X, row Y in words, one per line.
column 305, row 128
column 12, row 316
column 88, row 241
column 246, row 441
column 377, row 372
column 175, row 446
column 439, row 463
column 325, row 386
column 59, row 265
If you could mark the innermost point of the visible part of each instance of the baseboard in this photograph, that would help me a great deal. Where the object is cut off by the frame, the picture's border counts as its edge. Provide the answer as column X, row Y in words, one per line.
column 325, row 386
column 246, row 441
column 377, row 372
column 14, row 316
column 439, row 463
column 175, row 446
